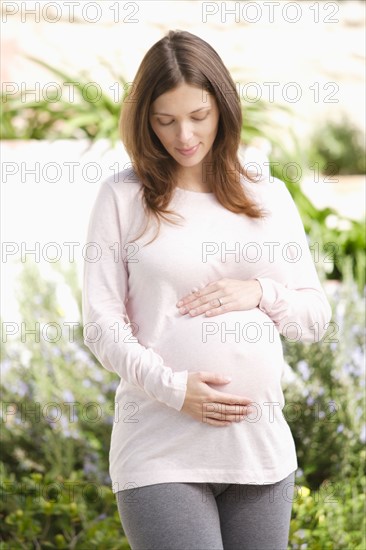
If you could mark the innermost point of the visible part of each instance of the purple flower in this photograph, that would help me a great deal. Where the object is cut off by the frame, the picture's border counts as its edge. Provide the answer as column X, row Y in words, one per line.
column 68, row 396
column 5, row 366
column 303, row 368
column 358, row 357
column 348, row 369
column 21, row 388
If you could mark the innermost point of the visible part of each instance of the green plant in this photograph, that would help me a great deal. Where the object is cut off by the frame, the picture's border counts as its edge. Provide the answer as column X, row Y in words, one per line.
column 53, row 117
column 50, row 511
column 331, row 517
column 325, row 411
column 326, row 403
column 338, row 243
column 333, row 373
column 57, row 416
column 62, row 401
column 338, row 147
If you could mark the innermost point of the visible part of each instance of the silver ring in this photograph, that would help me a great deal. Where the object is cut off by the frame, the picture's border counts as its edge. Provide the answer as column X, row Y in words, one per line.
column 220, row 302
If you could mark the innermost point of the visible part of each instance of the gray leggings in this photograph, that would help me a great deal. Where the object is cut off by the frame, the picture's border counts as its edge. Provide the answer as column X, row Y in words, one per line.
column 207, row 516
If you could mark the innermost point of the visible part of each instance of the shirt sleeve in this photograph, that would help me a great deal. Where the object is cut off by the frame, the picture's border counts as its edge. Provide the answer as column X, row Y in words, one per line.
column 107, row 327
column 297, row 305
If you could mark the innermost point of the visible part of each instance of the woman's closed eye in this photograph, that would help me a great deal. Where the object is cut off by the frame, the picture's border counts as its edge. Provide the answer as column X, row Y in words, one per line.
column 168, row 123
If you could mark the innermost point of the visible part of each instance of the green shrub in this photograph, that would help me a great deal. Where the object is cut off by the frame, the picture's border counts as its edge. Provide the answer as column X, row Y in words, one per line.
column 338, row 147
column 50, row 511
column 331, row 518
column 325, row 408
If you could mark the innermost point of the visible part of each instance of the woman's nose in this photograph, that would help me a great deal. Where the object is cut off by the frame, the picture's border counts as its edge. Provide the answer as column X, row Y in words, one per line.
column 184, row 133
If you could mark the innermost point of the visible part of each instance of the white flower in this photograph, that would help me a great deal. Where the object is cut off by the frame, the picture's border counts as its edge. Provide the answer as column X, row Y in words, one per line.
column 344, row 225
column 331, row 221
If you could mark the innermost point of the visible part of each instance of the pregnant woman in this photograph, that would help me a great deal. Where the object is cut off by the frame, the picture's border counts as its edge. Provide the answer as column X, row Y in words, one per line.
column 196, row 271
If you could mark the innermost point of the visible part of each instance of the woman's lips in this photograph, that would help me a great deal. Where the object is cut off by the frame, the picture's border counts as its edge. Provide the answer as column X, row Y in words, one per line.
column 188, row 152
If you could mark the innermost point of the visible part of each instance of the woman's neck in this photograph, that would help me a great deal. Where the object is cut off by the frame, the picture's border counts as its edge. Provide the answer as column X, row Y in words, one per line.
column 193, row 180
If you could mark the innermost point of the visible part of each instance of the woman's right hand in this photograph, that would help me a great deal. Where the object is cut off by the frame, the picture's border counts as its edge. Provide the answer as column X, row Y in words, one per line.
column 210, row 406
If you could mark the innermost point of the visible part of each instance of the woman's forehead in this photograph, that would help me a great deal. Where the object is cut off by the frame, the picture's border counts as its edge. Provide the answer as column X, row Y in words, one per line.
column 186, row 98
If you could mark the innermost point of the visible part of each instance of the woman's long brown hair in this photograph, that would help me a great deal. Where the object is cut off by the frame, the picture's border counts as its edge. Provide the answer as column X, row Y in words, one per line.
column 183, row 58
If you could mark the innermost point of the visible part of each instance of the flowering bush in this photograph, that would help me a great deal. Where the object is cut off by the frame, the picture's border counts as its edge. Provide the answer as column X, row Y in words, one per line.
column 325, row 396
column 330, row 518
column 50, row 511
column 325, row 403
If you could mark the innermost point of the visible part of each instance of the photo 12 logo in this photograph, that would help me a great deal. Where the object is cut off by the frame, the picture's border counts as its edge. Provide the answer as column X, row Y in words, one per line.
column 71, row 12
column 271, row 12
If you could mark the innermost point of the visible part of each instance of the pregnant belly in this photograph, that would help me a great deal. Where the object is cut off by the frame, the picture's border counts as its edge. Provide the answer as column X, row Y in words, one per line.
column 242, row 344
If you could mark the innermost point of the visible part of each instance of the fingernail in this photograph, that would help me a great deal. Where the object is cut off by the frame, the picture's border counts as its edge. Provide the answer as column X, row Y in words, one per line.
column 179, row 303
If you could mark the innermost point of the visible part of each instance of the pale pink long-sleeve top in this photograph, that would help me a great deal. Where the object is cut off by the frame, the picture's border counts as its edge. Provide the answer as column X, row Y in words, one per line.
column 133, row 327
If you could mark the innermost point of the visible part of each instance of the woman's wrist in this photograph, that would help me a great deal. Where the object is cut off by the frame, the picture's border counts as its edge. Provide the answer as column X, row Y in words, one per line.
column 259, row 291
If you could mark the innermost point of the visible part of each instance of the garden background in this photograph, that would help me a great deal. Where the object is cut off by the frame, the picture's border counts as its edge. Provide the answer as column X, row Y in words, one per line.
column 66, row 67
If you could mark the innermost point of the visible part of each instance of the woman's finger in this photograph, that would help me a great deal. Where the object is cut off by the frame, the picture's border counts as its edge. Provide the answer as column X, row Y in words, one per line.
column 212, row 303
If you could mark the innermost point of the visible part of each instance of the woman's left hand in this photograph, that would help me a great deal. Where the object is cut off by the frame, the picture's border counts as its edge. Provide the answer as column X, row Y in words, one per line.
column 234, row 295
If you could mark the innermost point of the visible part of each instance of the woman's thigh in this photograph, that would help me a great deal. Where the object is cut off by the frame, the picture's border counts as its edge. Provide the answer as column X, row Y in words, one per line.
column 256, row 517
column 170, row 516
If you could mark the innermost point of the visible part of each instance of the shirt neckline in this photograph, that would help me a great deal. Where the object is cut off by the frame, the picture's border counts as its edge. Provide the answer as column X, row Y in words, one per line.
column 191, row 192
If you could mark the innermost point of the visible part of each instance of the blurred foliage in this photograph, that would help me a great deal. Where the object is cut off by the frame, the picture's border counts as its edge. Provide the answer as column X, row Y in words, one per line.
column 58, row 407
column 57, row 416
column 338, row 148
column 326, row 407
column 340, row 237
column 91, row 113
column 97, row 117
column 330, row 518
column 47, row 511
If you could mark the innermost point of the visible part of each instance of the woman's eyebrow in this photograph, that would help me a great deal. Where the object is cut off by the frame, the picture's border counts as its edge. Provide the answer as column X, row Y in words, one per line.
column 196, row 111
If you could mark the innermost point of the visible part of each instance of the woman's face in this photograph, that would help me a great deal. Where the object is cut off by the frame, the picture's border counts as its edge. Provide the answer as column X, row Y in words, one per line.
column 185, row 120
